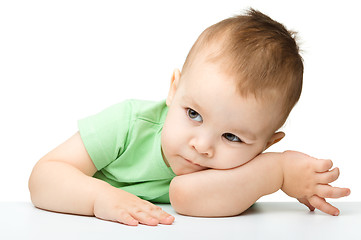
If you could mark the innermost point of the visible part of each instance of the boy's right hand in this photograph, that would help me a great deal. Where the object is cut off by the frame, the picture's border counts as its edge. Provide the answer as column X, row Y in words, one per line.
column 120, row 206
column 307, row 179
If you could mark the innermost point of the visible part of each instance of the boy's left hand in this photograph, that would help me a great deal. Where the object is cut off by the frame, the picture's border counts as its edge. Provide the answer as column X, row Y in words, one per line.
column 307, row 179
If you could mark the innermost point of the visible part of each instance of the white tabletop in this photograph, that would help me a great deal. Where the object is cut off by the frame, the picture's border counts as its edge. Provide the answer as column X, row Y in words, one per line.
column 265, row 220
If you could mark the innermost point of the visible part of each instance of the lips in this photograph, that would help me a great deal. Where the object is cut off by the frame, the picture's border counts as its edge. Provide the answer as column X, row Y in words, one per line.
column 189, row 161
column 194, row 164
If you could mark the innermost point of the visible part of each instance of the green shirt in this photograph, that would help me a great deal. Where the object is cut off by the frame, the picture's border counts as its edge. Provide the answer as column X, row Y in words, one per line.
column 124, row 143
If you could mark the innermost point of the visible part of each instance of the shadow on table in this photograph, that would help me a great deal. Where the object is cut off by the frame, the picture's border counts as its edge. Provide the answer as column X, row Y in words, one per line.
column 275, row 207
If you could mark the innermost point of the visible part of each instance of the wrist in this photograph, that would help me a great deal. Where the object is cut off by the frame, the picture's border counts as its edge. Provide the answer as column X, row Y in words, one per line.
column 100, row 190
column 277, row 165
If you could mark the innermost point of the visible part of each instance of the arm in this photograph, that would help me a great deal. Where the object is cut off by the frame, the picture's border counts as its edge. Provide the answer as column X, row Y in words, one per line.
column 226, row 192
column 230, row 192
column 62, row 181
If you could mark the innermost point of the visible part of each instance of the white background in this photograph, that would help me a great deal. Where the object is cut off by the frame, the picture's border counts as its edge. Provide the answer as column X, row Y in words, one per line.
column 64, row 60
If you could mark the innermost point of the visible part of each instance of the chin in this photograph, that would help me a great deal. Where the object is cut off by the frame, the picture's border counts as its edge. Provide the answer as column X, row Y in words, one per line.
column 184, row 171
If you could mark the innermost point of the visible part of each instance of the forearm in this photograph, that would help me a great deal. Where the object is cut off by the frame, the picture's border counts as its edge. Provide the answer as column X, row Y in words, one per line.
column 227, row 192
column 52, row 187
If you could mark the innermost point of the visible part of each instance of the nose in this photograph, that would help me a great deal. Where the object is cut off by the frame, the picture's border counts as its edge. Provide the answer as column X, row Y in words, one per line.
column 203, row 145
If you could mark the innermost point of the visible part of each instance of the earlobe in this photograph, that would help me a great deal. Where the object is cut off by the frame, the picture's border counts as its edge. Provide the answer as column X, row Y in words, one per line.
column 276, row 137
column 173, row 86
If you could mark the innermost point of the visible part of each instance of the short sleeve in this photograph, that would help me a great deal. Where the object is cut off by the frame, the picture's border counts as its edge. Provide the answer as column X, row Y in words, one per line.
column 105, row 134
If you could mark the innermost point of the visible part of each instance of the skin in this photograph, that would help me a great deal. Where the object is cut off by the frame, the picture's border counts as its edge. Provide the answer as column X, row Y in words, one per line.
column 80, row 193
column 218, row 172
column 221, row 132
column 202, row 150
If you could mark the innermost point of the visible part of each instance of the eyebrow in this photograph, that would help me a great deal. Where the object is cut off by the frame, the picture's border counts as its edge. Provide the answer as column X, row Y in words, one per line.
column 189, row 100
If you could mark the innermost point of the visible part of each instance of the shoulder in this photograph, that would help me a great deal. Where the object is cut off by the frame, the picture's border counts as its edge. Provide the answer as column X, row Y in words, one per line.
column 151, row 111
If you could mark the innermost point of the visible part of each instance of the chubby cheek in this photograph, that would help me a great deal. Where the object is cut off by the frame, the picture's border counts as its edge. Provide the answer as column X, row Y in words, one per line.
column 166, row 141
column 172, row 137
column 234, row 158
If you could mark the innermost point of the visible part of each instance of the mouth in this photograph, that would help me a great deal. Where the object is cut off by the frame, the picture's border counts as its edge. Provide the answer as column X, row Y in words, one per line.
column 193, row 163
column 189, row 161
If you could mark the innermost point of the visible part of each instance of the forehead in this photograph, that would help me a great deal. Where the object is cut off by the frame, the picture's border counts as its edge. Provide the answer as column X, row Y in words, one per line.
column 215, row 96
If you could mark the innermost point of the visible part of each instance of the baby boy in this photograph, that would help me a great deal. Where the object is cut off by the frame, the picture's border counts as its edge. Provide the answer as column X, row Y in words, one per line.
column 201, row 148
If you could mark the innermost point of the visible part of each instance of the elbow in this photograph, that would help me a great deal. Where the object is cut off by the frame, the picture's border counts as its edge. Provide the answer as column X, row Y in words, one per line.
column 32, row 186
column 179, row 197
column 34, row 183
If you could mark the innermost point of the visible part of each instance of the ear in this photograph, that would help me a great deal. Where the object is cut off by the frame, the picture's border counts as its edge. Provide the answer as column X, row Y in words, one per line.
column 275, row 138
column 173, row 86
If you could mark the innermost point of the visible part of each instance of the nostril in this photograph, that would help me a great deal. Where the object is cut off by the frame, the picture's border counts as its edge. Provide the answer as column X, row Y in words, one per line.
column 202, row 149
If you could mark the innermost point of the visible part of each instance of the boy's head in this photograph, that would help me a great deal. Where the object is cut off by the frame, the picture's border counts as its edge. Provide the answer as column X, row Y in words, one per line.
column 259, row 53
column 238, row 84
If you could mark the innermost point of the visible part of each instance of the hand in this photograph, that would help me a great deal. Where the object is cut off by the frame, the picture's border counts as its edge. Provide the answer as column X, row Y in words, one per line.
column 307, row 179
column 120, row 206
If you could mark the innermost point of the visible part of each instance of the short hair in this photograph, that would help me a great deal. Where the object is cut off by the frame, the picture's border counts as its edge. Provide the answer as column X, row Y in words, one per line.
column 260, row 53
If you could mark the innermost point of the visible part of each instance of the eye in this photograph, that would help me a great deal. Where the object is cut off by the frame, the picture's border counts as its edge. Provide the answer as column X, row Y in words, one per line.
column 231, row 137
column 194, row 115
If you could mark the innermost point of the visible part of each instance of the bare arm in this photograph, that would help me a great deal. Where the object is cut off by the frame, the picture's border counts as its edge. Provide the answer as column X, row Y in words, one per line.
column 62, row 181
column 230, row 192
column 226, row 192
column 51, row 183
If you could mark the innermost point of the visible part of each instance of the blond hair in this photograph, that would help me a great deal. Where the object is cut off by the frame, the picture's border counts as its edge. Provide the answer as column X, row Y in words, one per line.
column 260, row 53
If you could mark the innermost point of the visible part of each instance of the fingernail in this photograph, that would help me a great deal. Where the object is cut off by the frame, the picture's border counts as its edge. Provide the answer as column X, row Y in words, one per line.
column 170, row 218
column 337, row 213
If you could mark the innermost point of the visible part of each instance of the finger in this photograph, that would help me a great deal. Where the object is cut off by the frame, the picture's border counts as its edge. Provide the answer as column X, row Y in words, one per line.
column 327, row 191
column 323, row 165
column 307, row 203
column 158, row 213
column 322, row 205
column 124, row 217
column 145, row 218
column 167, row 220
column 328, row 177
column 162, row 216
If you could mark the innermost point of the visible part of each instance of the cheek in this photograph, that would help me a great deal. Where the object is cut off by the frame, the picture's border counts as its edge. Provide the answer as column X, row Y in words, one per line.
column 167, row 140
column 237, row 158
column 231, row 158
column 173, row 134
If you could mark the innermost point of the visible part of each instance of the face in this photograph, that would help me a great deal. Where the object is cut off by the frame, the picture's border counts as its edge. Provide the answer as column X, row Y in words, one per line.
column 209, row 125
